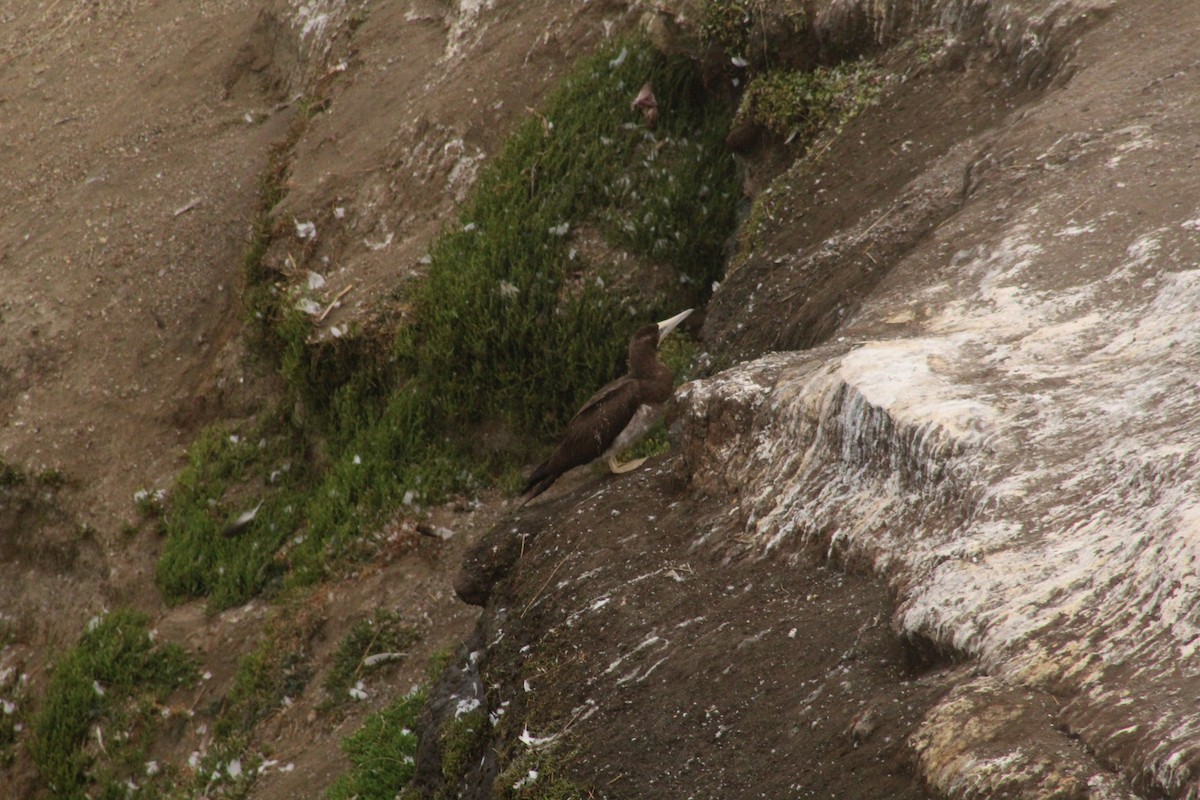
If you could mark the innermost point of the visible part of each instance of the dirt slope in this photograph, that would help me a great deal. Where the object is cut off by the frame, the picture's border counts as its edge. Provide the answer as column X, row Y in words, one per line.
column 132, row 139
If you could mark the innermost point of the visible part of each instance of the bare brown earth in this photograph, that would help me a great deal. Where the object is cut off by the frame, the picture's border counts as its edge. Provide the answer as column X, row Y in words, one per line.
column 134, row 136
column 626, row 617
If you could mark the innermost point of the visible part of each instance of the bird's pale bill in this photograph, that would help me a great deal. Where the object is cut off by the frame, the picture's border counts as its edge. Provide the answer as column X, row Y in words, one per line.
column 667, row 325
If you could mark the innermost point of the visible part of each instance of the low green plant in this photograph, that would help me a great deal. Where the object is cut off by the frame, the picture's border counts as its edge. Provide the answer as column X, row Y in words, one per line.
column 506, row 331
column 539, row 775
column 12, row 706
column 279, row 668
column 439, row 660
column 260, row 295
column 382, row 634
column 797, row 106
column 11, row 475
column 728, row 23
column 461, row 739
column 149, row 503
column 51, row 478
column 90, row 735
column 197, row 560
column 381, row 753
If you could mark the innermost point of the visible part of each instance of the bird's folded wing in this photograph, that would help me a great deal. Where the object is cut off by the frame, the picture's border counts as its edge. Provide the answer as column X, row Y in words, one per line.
column 605, row 396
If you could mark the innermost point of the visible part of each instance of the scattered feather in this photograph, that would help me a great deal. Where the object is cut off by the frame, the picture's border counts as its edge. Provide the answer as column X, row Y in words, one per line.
column 308, row 306
column 528, row 780
column 381, row 658
column 380, row 245
column 529, row 740
column 466, row 706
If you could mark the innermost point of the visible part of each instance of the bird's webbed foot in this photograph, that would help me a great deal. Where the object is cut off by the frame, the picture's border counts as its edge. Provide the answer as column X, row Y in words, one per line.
column 621, row 467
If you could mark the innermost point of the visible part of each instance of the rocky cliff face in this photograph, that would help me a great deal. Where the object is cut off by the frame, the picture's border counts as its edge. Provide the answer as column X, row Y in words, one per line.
column 995, row 416
column 1003, row 429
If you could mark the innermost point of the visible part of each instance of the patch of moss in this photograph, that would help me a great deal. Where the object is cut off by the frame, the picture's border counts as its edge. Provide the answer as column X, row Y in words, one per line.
column 504, row 331
column 260, row 294
column 279, row 668
column 797, row 106
column 539, row 775
column 461, row 741
column 800, row 108
column 149, row 503
column 51, row 478
column 728, row 23
column 211, row 494
column 90, row 735
column 11, row 475
column 381, row 753
column 381, row 634
column 12, row 706
column 438, row 661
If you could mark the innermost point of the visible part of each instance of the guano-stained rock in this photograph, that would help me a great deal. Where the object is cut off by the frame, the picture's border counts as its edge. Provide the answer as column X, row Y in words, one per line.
column 1007, row 428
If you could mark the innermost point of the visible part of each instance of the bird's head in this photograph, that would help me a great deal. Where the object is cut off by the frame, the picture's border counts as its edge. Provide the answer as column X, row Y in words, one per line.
column 646, row 339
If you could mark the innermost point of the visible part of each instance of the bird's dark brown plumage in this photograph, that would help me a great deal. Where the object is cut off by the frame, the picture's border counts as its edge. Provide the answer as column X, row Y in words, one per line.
column 601, row 420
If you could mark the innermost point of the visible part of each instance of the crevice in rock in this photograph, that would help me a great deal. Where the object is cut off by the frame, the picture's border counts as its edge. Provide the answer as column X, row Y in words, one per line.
column 821, row 240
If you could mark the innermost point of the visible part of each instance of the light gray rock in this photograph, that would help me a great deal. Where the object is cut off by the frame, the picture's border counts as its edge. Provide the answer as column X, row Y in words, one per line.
column 1008, row 429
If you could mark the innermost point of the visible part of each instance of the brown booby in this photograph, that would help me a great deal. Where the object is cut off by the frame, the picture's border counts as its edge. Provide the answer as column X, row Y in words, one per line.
column 616, row 416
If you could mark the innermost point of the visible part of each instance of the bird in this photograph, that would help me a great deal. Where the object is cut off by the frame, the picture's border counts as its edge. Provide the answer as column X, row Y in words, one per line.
column 616, row 416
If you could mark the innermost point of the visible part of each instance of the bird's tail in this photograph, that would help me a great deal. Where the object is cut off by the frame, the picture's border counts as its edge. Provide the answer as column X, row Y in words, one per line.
column 539, row 481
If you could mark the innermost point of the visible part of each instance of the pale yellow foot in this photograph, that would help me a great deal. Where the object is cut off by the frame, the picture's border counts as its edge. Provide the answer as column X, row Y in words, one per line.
column 619, row 467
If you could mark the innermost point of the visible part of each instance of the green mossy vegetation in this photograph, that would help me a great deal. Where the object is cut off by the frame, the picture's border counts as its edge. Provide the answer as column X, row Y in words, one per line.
column 13, row 476
column 797, row 106
column 383, row 633
column 381, row 752
column 10, row 475
column 530, row 337
column 280, row 667
column 12, row 705
column 728, row 23
column 461, row 741
column 539, row 775
column 211, row 493
column 89, row 736
column 800, row 109
column 508, row 329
